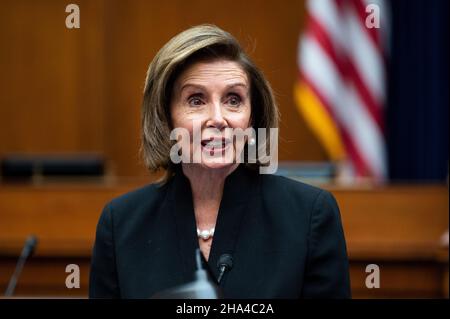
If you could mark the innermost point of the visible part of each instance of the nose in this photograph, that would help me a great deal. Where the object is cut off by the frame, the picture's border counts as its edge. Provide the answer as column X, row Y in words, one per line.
column 216, row 119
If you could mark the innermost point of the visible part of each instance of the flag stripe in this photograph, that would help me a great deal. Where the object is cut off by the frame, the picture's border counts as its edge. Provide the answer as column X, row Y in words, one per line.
column 360, row 9
column 345, row 68
column 365, row 56
column 324, row 78
column 352, row 151
column 341, row 90
column 320, row 120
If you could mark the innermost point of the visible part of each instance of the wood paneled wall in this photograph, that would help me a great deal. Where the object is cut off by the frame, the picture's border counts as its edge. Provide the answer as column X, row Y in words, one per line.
column 52, row 78
column 79, row 90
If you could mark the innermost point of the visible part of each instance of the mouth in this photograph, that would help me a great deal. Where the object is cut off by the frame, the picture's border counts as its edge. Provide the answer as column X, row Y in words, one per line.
column 215, row 144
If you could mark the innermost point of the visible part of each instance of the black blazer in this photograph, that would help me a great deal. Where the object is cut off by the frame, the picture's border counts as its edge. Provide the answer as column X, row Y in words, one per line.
column 285, row 237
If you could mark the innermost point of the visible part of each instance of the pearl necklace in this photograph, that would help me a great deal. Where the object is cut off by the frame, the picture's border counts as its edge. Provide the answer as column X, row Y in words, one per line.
column 205, row 234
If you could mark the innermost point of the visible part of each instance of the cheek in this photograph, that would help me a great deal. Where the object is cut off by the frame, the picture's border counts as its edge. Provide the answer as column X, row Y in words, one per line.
column 186, row 124
column 180, row 120
column 241, row 120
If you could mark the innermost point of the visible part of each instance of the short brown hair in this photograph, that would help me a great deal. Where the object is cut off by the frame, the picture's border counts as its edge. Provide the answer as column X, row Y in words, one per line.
column 195, row 44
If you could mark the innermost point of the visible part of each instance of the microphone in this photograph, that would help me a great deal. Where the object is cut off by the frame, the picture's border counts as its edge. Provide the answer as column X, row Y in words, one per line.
column 225, row 263
column 27, row 251
column 201, row 288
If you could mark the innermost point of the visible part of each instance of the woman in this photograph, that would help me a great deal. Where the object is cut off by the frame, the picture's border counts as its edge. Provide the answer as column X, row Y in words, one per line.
column 285, row 237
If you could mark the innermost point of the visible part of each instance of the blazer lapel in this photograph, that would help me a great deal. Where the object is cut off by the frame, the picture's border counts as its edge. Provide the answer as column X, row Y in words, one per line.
column 180, row 196
column 239, row 188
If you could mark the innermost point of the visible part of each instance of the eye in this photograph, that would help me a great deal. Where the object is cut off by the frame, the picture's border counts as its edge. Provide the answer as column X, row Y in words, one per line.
column 234, row 100
column 195, row 100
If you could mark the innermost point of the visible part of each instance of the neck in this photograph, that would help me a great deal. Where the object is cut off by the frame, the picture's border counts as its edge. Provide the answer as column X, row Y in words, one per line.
column 207, row 189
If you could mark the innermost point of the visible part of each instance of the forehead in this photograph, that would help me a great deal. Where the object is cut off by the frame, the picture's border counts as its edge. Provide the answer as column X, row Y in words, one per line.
column 214, row 72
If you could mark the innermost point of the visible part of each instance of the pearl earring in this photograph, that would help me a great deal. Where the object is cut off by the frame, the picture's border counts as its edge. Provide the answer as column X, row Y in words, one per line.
column 252, row 141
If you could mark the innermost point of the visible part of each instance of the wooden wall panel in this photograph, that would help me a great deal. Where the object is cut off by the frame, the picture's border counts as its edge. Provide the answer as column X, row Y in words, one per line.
column 51, row 84
column 65, row 91
column 394, row 214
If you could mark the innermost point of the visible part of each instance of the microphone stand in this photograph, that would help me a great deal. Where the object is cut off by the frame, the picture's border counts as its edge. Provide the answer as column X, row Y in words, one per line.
column 27, row 251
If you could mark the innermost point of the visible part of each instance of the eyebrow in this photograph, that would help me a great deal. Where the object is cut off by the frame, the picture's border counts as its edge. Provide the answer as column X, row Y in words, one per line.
column 199, row 86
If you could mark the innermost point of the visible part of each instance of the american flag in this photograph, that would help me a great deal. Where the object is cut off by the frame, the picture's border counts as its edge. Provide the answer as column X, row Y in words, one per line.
column 341, row 90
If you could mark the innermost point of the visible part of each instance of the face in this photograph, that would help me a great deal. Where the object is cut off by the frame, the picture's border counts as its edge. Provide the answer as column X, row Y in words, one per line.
column 213, row 97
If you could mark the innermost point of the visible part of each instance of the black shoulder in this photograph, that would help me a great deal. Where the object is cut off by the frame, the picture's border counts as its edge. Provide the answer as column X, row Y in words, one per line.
column 288, row 188
column 293, row 200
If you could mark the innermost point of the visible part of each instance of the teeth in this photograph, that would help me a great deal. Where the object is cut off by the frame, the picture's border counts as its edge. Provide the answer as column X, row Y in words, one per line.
column 214, row 144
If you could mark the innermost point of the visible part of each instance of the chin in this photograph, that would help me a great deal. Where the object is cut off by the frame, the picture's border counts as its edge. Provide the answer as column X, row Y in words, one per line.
column 217, row 164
